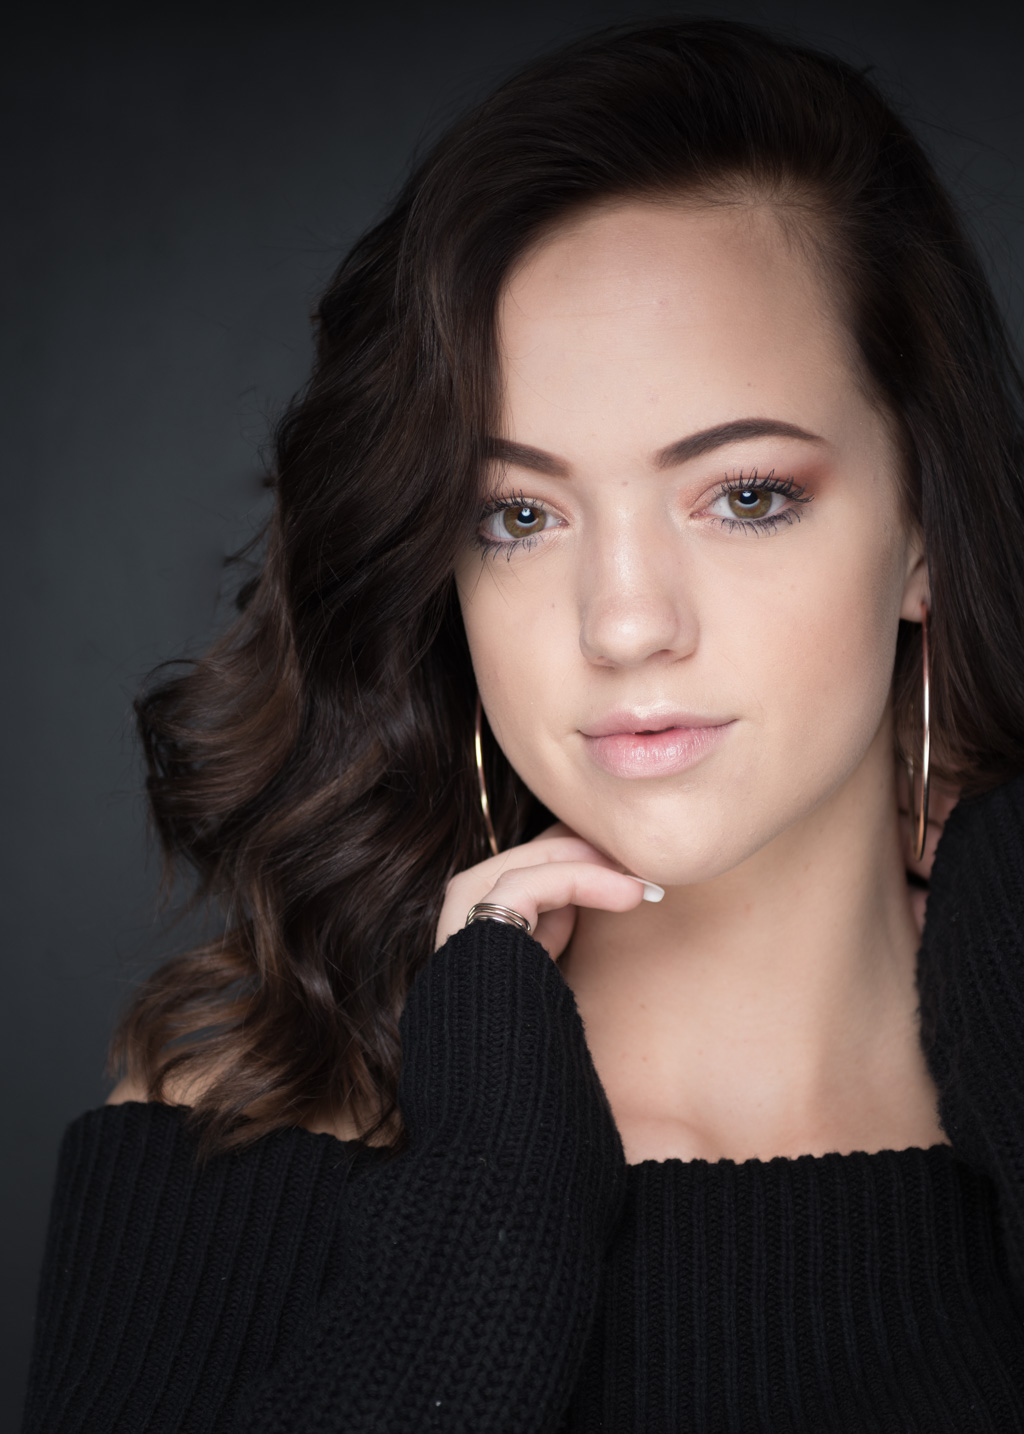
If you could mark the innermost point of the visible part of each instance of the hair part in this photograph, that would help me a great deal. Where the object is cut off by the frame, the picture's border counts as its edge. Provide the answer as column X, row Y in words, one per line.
column 314, row 771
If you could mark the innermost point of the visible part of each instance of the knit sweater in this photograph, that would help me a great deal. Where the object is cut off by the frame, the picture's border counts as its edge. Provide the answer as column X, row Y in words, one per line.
column 509, row 1272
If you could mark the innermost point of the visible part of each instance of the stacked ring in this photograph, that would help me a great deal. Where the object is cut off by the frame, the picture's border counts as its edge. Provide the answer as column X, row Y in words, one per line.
column 489, row 911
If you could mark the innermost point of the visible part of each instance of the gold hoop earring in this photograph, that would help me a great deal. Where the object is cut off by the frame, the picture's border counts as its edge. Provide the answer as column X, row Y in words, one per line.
column 919, row 822
column 485, row 805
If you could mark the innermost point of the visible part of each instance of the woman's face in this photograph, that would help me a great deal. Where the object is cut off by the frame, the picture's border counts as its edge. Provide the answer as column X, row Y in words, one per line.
column 695, row 534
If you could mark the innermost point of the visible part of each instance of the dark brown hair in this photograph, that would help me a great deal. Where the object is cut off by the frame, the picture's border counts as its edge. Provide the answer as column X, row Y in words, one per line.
column 314, row 770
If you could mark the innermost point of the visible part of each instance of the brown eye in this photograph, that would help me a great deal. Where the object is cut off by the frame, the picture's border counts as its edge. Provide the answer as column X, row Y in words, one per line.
column 521, row 521
column 750, row 502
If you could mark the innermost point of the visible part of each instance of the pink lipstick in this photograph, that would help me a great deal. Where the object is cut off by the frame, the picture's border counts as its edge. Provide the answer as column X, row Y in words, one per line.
column 632, row 744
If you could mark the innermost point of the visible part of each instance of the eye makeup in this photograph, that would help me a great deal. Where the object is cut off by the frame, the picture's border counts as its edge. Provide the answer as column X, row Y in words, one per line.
column 747, row 503
column 751, row 502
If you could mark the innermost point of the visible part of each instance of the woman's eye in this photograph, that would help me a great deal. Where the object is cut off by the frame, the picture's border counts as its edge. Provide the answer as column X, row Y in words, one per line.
column 514, row 522
column 750, row 502
column 758, row 504
column 519, row 522
column 747, row 503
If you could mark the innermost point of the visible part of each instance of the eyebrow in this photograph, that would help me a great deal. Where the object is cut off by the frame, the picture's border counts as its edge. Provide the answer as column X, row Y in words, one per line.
column 736, row 432
column 693, row 446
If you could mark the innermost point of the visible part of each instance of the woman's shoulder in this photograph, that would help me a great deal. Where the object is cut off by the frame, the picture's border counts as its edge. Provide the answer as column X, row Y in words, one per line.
column 976, row 893
column 132, row 1126
column 180, row 1095
column 971, row 986
column 997, row 812
column 134, row 1183
column 972, row 948
column 158, row 1260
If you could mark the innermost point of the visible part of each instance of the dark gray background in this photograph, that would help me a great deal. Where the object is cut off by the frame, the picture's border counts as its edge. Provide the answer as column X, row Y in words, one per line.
column 181, row 182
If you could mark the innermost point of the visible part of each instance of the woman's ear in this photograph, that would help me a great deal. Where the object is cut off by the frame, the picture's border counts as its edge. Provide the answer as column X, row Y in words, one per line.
column 916, row 587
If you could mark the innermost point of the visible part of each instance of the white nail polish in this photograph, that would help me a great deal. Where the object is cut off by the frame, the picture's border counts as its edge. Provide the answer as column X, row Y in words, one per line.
column 652, row 891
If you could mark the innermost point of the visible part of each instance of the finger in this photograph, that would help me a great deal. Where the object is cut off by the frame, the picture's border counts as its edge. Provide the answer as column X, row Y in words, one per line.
column 533, row 853
column 556, row 829
column 470, row 886
column 533, row 890
column 537, row 889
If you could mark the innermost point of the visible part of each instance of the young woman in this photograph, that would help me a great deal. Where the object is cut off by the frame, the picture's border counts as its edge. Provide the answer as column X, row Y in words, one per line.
column 583, row 1072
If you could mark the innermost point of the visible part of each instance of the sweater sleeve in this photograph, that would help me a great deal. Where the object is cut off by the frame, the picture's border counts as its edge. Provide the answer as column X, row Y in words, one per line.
column 971, row 984
column 473, row 1260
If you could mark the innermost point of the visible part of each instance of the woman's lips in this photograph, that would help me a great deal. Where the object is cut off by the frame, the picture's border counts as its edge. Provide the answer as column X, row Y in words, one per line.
column 654, row 754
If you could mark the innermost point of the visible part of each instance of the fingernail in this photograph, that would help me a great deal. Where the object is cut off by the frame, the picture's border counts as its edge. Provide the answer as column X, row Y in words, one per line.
column 652, row 891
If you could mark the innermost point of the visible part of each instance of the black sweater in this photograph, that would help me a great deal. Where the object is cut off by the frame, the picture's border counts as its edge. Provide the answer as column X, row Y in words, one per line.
column 509, row 1272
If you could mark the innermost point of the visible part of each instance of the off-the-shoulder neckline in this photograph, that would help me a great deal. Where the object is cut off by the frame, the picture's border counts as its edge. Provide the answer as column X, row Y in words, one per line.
column 672, row 1164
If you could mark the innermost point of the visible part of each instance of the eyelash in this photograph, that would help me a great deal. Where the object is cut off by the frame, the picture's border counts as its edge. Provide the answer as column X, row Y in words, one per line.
column 787, row 487
column 497, row 503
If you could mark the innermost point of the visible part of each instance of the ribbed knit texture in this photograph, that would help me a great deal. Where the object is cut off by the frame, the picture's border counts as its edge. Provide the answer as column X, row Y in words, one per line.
column 167, row 1289
column 451, row 1288
column 509, row 1273
column 862, row 1293
column 971, row 980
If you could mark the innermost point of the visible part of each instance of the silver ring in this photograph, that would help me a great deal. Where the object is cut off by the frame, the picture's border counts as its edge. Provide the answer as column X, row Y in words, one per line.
column 489, row 911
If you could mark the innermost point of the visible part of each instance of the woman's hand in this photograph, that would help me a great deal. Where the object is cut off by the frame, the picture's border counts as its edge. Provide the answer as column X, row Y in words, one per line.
column 545, row 880
column 941, row 801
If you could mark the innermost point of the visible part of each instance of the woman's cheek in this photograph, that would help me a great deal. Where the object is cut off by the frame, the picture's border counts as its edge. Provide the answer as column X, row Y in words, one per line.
column 834, row 681
column 519, row 654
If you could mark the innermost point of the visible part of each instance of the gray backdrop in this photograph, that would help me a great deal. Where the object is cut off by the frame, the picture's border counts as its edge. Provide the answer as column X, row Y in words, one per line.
column 180, row 185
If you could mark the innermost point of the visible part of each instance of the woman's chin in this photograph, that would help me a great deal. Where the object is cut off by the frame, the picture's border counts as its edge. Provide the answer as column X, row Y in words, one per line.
column 675, row 858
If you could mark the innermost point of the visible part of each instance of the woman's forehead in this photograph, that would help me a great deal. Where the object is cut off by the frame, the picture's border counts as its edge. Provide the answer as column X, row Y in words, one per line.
column 648, row 322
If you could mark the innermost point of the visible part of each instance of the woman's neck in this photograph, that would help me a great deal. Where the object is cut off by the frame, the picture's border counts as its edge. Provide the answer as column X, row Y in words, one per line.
column 772, row 1011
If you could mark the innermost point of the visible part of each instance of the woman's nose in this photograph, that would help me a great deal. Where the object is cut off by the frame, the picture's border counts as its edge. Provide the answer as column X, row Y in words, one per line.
column 634, row 598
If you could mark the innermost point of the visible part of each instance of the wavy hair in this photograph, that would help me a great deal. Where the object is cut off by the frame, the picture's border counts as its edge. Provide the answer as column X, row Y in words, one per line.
column 313, row 772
